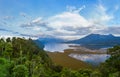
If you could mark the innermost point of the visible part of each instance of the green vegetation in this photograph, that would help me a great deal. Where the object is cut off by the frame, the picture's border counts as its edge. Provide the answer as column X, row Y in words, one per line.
column 111, row 68
column 20, row 57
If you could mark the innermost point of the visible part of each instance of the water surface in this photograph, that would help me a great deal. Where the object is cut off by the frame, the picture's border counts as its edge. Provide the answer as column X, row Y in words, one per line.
column 53, row 47
column 60, row 47
column 94, row 59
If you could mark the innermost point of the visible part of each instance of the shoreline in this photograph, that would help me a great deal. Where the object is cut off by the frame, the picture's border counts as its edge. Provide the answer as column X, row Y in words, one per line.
column 63, row 58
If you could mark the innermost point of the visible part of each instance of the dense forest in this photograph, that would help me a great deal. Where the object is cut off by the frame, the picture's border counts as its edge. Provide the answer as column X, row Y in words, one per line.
column 20, row 57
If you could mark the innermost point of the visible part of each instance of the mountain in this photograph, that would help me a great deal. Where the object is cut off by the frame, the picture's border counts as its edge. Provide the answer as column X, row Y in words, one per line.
column 97, row 39
column 50, row 40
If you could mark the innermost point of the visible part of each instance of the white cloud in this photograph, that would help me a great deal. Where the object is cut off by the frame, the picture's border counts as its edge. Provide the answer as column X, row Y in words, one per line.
column 71, row 24
column 80, row 9
column 68, row 23
column 100, row 15
column 36, row 24
column 71, row 8
column 68, row 19
column 36, row 28
column 74, row 9
column 38, row 20
column 72, row 37
column 63, row 32
column 60, row 25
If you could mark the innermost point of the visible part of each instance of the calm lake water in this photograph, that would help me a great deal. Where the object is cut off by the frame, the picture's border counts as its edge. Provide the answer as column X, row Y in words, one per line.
column 60, row 47
column 56, row 47
column 94, row 59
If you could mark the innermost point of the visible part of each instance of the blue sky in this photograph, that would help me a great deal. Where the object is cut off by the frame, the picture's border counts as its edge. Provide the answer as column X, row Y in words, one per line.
column 67, row 19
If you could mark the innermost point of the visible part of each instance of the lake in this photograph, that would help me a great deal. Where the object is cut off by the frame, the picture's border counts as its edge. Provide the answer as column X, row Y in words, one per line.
column 94, row 59
column 57, row 47
column 60, row 47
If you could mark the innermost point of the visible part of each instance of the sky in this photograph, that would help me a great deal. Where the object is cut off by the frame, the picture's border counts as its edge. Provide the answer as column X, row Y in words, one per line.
column 65, row 19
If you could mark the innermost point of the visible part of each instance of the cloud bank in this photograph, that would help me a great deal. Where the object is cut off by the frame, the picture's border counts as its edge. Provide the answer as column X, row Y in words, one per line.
column 63, row 19
column 71, row 24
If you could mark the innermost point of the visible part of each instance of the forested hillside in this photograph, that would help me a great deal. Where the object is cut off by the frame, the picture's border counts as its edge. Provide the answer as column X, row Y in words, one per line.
column 20, row 57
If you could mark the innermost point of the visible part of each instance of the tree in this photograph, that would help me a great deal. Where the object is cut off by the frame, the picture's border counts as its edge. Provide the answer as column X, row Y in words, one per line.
column 4, row 67
column 2, row 46
column 114, row 60
column 8, row 50
column 8, row 39
column 96, row 74
column 25, row 59
column 20, row 71
column 112, row 65
column 85, row 72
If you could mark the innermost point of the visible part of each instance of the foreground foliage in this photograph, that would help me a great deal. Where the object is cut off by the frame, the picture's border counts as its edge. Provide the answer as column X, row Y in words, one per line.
column 23, row 58
column 111, row 68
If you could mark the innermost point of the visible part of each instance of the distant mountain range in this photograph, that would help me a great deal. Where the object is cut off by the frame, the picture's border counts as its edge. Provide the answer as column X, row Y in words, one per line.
column 97, row 39
column 88, row 41
column 50, row 40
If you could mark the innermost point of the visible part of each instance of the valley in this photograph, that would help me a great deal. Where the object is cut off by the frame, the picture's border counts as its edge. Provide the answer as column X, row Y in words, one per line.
column 59, row 38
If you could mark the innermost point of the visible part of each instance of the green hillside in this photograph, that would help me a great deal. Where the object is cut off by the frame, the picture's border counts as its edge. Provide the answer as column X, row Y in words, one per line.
column 20, row 57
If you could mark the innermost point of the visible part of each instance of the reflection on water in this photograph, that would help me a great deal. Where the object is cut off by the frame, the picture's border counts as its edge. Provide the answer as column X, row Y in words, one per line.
column 94, row 59
column 60, row 47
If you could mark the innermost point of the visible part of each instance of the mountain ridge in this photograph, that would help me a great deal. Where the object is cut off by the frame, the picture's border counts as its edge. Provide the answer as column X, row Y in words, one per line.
column 98, row 39
column 50, row 40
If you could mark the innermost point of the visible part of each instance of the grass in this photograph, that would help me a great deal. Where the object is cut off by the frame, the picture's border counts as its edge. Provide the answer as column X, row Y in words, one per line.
column 64, row 60
column 69, row 51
